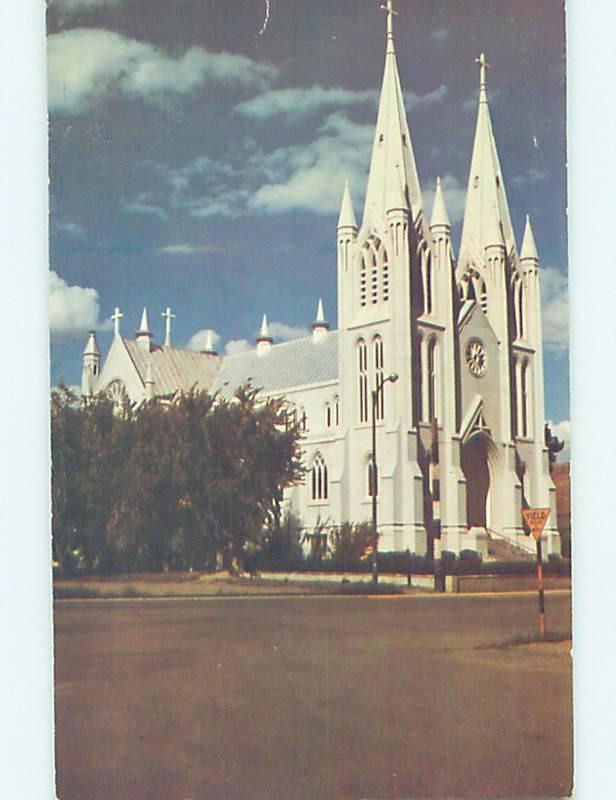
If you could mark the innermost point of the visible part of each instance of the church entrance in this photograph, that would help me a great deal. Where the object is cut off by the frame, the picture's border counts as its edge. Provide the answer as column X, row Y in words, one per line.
column 475, row 457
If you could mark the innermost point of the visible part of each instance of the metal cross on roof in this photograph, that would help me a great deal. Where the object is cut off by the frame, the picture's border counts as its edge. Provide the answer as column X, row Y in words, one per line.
column 483, row 67
column 116, row 317
column 167, row 316
column 389, row 8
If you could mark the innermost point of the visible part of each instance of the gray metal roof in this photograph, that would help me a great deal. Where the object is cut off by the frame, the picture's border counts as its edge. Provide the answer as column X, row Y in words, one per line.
column 300, row 362
column 174, row 369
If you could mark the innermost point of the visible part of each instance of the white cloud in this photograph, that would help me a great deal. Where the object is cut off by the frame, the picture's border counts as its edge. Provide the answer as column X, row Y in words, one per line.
column 563, row 431
column 285, row 333
column 312, row 176
column 555, row 308
column 440, row 35
column 295, row 103
column 199, row 341
column 532, row 175
column 73, row 309
column 186, row 249
column 140, row 205
column 411, row 100
column 72, row 229
column 455, row 198
column 86, row 64
column 235, row 346
column 71, row 7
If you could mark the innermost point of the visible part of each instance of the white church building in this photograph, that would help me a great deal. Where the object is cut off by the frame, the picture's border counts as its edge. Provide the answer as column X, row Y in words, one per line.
column 454, row 345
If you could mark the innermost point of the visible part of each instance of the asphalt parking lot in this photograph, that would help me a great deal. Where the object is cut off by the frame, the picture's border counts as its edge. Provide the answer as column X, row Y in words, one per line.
column 316, row 697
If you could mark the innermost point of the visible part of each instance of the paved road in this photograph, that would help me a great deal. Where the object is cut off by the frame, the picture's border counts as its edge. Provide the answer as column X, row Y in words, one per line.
column 307, row 698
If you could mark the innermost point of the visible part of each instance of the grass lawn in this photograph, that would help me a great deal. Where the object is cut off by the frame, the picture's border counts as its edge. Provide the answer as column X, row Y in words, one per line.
column 311, row 697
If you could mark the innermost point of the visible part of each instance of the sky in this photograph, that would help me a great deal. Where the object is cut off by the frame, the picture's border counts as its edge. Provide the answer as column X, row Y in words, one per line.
column 198, row 151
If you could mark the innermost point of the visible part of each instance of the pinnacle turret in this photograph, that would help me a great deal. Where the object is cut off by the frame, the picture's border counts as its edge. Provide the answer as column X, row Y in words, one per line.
column 528, row 250
column 320, row 326
column 91, row 348
column 347, row 215
column 144, row 335
column 264, row 340
column 440, row 217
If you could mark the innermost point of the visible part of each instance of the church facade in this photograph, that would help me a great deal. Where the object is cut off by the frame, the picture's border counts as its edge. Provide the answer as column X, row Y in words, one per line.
column 444, row 352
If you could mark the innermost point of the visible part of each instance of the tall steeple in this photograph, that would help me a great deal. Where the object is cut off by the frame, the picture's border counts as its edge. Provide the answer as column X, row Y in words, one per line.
column 486, row 201
column 528, row 251
column 393, row 183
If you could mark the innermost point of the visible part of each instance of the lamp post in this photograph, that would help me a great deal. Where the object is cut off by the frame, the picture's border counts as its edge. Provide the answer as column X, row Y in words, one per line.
column 374, row 476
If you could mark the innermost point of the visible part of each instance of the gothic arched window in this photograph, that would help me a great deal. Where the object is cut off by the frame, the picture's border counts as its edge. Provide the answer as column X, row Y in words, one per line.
column 373, row 273
column 362, row 372
column 432, row 379
column 328, row 415
column 336, row 411
column 524, row 398
column 377, row 344
column 319, row 479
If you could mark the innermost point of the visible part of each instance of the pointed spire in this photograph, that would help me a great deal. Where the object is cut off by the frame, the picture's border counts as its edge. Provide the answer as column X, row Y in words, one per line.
column 393, row 183
column 144, row 335
column 486, row 200
column 264, row 340
column 347, row 215
column 209, row 343
column 320, row 326
column 440, row 217
column 529, row 248
column 91, row 348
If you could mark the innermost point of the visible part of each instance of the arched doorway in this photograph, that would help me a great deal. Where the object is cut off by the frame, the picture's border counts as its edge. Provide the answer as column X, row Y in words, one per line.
column 476, row 469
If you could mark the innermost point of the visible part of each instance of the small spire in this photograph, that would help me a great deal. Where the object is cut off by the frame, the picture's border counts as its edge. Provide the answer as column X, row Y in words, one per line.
column 167, row 316
column 320, row 326
column 144, row 335
column 91, row 348
column 209, row 343
column 347, row 215
column 440, row 217
column 264, row 340
column 144, row 326
column 116, row 317
column 529, row 248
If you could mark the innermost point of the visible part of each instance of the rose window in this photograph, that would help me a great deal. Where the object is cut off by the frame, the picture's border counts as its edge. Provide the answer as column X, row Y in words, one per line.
column 476, row 359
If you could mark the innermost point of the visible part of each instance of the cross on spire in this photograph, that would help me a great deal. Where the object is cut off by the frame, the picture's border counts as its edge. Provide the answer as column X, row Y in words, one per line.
column 116, row 317
column 389, row 8
column 483, row 68
column 167, row 316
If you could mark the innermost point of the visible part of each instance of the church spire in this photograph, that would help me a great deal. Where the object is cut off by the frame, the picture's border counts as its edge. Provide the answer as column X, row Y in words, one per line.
column 528, row 251
column 320, row 326
column 264, row 340
column 487, row 210
column 347, row 215
column 440, row 217
column 393, row 183
column 144, row 335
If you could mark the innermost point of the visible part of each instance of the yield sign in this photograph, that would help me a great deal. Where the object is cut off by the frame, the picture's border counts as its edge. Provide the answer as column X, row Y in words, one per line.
column 535, row 519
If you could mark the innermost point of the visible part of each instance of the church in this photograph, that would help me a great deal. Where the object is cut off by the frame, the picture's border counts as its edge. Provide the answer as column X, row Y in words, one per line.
column 439, row 357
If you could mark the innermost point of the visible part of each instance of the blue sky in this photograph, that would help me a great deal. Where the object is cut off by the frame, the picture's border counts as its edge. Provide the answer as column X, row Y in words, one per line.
column 198, row 151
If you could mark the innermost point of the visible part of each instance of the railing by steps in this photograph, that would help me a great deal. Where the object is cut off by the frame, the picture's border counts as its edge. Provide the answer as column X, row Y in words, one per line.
column 502, row 548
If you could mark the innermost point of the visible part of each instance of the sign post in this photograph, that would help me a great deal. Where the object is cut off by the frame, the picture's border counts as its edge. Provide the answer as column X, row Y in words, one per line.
column 536, row 518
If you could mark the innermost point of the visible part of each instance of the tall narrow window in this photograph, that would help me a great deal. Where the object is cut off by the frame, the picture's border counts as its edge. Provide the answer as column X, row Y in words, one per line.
column 362, row 370
column 524, row 398
column 429, row 304
column 362, row 280
column 432, row 379
column 328, row 415
column 377, row 343
column 521, row 310
column 336, row 411
column 319, row 479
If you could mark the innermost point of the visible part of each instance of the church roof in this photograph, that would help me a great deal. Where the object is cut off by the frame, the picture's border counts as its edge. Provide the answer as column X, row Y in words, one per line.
column 173, row 369
column 301, row 362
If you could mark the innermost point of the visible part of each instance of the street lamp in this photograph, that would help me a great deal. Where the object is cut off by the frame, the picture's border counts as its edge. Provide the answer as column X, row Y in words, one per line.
column 380, row 383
